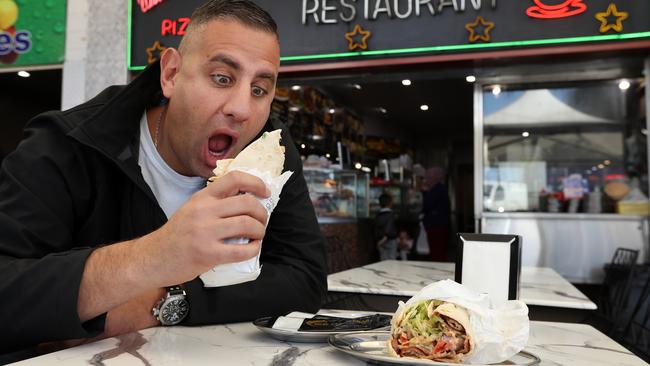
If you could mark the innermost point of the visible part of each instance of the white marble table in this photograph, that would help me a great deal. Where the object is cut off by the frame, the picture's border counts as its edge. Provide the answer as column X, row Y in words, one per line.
column 556, row 344
column 539, row 285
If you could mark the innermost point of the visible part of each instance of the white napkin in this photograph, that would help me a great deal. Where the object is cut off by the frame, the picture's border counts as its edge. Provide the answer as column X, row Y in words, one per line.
column 499, row 332
column 292, row 321
column 248, row 270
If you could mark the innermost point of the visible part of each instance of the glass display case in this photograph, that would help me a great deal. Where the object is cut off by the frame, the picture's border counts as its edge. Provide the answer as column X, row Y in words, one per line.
column 565, row 148
column 337, row 195
column 407, row 201
column 394, row 190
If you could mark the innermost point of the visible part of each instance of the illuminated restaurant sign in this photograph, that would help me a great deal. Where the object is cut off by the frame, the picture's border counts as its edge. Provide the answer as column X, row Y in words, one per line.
column 32, row 32
column 330, row 30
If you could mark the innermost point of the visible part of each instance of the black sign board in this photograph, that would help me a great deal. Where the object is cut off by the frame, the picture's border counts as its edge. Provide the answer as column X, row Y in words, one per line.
column 329, row 30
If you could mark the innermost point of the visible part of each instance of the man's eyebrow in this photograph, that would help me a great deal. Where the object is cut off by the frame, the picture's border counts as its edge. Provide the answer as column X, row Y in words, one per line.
column 229, row 61
column 267, row 75
column 224, row 59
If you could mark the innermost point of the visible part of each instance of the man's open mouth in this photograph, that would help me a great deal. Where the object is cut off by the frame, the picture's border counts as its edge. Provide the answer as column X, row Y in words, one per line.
column 219, row 145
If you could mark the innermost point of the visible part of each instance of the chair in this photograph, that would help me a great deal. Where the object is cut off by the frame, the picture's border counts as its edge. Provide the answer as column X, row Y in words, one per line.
column 636, row 336
column 613, row 303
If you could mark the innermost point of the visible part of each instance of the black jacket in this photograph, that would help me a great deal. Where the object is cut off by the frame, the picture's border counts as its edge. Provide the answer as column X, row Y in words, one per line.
column 385, row 225
column 74, row 184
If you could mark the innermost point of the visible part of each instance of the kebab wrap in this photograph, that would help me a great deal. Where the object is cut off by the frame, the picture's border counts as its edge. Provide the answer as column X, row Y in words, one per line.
column 263, row 158
column 432, row 329
column 447, row 322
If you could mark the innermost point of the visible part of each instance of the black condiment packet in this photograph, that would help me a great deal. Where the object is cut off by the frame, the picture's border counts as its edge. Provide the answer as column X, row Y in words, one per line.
column 322, row 323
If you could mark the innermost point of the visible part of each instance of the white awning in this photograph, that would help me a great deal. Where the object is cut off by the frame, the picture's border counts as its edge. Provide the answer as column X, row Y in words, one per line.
column 540, row 108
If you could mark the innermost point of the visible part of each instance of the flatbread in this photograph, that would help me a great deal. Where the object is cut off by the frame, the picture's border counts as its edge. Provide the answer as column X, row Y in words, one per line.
column 264, row 154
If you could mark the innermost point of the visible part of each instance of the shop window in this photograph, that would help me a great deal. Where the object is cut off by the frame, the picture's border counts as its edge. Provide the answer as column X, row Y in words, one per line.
column 577, row 148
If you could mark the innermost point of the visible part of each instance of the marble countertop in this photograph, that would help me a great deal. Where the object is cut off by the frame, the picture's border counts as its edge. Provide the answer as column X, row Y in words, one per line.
column 539, row 285
column 556, row 344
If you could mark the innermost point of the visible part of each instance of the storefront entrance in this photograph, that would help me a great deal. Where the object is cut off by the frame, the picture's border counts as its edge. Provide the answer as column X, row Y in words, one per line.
column 386, row 130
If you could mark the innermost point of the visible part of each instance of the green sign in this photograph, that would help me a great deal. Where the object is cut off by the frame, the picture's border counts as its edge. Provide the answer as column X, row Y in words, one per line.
column 32, row 32
column 330, row 30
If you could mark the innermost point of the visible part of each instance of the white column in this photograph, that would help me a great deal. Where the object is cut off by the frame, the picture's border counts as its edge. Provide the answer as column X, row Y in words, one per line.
column 74, row 75
column 95, row 54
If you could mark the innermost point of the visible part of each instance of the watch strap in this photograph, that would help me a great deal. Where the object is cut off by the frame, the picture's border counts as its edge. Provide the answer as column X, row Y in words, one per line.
column 175, row 290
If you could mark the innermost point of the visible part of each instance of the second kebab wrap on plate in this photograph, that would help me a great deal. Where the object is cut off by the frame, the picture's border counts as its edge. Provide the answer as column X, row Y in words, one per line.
column 448, row 322
column 263, row 158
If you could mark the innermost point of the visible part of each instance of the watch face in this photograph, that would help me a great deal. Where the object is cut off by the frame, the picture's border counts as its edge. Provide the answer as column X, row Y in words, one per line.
column 173, row 311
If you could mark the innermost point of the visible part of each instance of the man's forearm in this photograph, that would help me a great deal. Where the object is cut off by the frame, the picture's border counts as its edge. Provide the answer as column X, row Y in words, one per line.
column 112, row 276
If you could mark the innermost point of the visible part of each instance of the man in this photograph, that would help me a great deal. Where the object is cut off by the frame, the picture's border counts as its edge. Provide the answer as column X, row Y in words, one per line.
column 102, row 207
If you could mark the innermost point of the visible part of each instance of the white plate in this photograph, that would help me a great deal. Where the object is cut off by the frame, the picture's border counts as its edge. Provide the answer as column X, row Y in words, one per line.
column 371, row 346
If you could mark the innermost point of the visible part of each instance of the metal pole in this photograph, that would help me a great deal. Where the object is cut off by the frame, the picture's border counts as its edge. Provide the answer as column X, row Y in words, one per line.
column 478, row 156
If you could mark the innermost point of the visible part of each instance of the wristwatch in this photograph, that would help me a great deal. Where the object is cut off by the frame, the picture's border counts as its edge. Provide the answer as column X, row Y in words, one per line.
column 173, row 308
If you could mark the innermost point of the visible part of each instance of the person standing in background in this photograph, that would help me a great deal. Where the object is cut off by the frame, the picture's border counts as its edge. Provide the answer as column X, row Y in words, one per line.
column 436, row 210
column 385, row 229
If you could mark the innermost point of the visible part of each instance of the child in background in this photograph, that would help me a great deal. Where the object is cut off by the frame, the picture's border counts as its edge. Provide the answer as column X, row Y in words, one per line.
column 385, row 229
column 404, row 244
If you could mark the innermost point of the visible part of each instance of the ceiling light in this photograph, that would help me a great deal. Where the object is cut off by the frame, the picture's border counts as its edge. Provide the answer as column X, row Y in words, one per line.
column 601, row 166
column 424, row 107
column 470, row 78
column 501, row 209
column 316, row 137
column 302, row 146
column 406, row 82
column 332, row 110
column 525, row 134
column 23, row 74
column 607, row 162
column 294, row 109
column 383, row 110
column 496, row 90
column 295, row 87
column 366, row 169
column 356, row 86
column 624, row 85
column 357, row 165
column 328, row 155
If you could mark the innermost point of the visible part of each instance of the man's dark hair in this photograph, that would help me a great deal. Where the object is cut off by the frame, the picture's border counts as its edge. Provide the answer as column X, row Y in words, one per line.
column 385, row 200
column 244, row 11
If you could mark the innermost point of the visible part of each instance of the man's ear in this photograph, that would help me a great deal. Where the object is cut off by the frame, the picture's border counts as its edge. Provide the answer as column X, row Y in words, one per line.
column 170, row 67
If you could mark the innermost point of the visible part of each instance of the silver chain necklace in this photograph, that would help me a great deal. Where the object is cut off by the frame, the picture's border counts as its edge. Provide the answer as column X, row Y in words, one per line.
column 158, row 122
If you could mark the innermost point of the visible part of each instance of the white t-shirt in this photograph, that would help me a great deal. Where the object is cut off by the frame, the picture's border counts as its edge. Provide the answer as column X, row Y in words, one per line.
column 171, row 189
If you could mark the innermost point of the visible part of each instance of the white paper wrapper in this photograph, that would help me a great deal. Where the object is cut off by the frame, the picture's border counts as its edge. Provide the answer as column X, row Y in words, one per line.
column 248, row 270
column 499, row 333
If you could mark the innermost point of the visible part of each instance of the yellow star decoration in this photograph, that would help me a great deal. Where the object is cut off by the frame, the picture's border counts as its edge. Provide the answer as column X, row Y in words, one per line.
column 612, row 11
column 471, row 28
column 151, row 52
column 352, row 42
